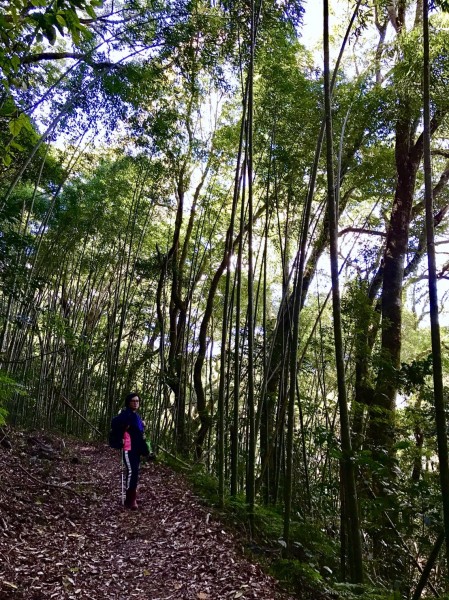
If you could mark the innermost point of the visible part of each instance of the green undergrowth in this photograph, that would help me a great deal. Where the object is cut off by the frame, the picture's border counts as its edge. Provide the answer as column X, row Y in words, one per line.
column 309, row 568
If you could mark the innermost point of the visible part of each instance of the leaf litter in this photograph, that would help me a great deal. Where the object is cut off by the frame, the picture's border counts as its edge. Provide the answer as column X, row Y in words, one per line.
column 65, row 535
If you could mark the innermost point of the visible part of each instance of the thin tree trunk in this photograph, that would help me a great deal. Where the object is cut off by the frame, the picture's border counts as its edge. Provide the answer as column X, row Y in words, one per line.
column 237, row 368
column 439, row 399
column 350, row 492
column 423, row 580
column 251, row 461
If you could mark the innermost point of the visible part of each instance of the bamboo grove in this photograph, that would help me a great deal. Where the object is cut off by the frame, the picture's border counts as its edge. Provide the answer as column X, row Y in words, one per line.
column 195, row 208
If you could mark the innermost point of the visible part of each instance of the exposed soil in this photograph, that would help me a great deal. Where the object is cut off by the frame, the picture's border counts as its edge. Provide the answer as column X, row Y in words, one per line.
column 64, row 533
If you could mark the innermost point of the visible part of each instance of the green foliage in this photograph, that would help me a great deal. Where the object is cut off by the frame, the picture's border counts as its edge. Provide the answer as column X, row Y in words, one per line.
column 3, row 415
column 413, row 376
column 350, row 591
column 297, row 575
column 407, row 73
column 204, row 483
column 9, row 387
column 358, row 312
column 17, row 133
column 307, row 582
column 21, row 21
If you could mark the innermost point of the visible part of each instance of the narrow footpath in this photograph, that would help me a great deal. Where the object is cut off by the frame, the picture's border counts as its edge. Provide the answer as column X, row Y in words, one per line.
column 64, row 534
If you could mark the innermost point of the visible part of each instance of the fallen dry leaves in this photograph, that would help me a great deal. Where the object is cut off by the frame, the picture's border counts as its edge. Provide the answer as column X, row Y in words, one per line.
column 64, row 534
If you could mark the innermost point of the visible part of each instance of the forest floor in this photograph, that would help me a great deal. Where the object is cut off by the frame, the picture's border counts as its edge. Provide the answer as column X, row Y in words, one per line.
column 64, row 533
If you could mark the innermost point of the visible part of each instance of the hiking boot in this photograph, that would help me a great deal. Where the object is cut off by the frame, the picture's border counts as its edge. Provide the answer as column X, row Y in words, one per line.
column 130, row 501
column 133, row 505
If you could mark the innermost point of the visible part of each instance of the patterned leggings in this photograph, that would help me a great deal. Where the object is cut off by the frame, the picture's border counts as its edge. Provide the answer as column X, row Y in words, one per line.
column 131, row 461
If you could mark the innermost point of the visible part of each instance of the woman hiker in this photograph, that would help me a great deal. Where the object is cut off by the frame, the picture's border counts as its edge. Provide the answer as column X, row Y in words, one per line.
column 134, row 446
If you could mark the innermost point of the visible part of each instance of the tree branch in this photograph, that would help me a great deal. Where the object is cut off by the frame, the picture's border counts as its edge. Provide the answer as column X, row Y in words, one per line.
column 362, row 230
column 441, row 152
column 35, row 58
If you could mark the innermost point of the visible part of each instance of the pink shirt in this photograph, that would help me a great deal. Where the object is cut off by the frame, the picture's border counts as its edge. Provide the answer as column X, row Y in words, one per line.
column 126, row 442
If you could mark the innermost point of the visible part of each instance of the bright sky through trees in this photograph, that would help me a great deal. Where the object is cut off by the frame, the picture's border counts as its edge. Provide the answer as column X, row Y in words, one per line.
column 312, row 32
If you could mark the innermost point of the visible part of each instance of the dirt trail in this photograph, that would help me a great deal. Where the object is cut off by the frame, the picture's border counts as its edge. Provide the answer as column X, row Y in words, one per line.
column 55, row 543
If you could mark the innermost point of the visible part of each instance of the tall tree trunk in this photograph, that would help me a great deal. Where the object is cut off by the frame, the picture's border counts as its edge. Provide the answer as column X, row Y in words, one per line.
column 439, row 400
column 251, row 461
column 382, row 430
column 350, row 492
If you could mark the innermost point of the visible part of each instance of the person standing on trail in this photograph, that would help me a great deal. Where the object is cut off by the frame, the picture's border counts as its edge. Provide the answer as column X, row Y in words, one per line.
column 134, row 446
